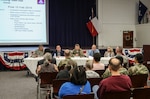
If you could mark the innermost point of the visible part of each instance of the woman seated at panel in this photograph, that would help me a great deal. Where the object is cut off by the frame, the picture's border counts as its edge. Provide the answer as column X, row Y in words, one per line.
column 78, row 83
column 89, row 72
column 121, row 70
column 109, row 52
column 47, row 66
column 97, row 65
column 138, row 68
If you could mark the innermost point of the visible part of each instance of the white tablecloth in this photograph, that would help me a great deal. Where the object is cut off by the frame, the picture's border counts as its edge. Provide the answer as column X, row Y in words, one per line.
column 82, row 60
column 31, row 63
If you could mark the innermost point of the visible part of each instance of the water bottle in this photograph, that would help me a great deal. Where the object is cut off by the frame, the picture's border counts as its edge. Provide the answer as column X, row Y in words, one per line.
column 54, row 55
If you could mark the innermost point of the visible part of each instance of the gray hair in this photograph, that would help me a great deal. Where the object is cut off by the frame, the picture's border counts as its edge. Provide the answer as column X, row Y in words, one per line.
column 46, row 63
column 89, row 64
column 48, row 56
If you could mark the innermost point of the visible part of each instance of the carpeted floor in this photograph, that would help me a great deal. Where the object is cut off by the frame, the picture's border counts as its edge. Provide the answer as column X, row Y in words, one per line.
column 16, row 85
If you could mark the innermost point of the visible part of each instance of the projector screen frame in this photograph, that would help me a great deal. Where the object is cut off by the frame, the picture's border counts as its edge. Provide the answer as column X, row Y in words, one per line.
column 33, row 43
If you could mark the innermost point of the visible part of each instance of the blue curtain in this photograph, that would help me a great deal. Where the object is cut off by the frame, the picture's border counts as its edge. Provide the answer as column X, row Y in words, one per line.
column 67, row 22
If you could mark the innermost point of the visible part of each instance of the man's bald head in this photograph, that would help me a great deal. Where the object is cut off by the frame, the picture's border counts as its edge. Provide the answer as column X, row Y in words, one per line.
column 115, row 64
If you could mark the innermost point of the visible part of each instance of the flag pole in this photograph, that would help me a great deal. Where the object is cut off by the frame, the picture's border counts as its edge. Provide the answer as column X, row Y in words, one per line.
column 93, row 40
column 92, row 11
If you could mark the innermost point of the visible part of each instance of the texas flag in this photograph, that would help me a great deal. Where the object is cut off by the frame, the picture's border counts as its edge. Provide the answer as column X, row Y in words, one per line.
column 93, row 26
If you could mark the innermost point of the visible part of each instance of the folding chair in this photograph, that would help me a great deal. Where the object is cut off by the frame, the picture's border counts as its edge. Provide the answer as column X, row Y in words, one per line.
column 94, row 82
column 117, row 95
column 139, row 80
column 141, row 93
column 100, row 72
column 56, row 85
column 79, row 96
column 45, row 82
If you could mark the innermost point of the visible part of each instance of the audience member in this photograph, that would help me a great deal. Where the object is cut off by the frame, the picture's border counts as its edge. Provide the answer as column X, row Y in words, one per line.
column 67, row 54
column 89, row 72
column 77, row 51
column 59, row 52
column 65, row 73
column 78, row 83
column 125, row 59
column 116, row 82
column 93, row 50
column 39, row 52
column 47, row 50
column 97, row 65
column 109, row 52
column 121, row 70
column 138, row 68
column 47, row 66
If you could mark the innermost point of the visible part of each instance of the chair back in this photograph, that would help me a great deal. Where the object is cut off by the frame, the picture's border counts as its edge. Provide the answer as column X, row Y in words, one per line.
column 141, row 93
column 117, row 95
column 94, row 81
column 57, row 84
column 100, row 72
column 47, row 77
column 80, row 96
column 139, row 80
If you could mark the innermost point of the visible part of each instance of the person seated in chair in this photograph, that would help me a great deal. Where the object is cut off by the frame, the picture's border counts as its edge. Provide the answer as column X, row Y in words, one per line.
column 116, row 82
column 89, row 72
column 39, row 52
column 58, row 52
column 46, row 63
column 46, row 56
column 97, row 65
column 77, row 51
column 109, row 52
column 122, row 70
column 93, row 50
column 119, row 53
column 78, row 83
column 67, row 58
column 65, row 73
column 138, row 68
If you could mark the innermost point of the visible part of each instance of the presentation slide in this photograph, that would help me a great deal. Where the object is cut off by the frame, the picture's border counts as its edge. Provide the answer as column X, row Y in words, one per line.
column 23, row 22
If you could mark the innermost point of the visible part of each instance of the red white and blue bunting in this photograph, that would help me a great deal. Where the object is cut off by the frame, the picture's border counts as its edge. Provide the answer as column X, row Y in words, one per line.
column 13, row 60
column 130, row 53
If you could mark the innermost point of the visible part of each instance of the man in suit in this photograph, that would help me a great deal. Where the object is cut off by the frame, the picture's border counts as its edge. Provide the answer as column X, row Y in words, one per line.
column 58, row 52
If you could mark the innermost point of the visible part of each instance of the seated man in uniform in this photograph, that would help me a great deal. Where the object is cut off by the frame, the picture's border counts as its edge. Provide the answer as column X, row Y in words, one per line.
column 77, row 51
column 67, row 58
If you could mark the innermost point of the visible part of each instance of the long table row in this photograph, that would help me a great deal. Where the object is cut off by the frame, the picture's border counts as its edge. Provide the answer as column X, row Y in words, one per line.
column 31, row 63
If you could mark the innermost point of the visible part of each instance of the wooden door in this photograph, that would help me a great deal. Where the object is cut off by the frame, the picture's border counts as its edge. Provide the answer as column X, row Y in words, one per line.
column 127, row 39
column 146, row 53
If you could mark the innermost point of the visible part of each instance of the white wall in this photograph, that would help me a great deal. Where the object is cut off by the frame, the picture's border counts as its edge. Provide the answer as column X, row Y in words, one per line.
column 116, row 16
column 143, row 30
column 143, row 34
